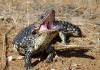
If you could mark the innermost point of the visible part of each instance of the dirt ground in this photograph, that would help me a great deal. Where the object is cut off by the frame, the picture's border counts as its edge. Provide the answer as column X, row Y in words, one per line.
column 79, row 54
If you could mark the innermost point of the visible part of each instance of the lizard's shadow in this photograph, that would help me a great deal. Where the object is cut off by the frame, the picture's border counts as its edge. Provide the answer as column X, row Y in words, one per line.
column 38, row 55
column 72, row 52
column 81, row 53
column 35, row 63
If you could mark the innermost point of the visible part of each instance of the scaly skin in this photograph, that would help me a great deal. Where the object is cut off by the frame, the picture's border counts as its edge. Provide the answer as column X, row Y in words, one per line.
column 68, row 29
column 30, row 40
column 29, row 43
column 33, row 43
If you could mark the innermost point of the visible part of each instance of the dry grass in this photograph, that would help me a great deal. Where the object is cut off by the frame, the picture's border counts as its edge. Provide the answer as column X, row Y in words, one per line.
column 20, row 13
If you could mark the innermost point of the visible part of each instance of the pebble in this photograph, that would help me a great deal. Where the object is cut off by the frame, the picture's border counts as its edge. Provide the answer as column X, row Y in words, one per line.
column 10, row 58
column 75, row 67
column 52, row 69
column 20, row 57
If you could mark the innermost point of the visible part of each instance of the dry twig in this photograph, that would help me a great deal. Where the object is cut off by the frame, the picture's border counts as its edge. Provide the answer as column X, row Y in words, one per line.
column 75, row 46
column 4, row 53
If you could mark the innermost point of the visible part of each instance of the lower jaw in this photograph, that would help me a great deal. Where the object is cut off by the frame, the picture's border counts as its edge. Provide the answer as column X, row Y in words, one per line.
column 48, row 30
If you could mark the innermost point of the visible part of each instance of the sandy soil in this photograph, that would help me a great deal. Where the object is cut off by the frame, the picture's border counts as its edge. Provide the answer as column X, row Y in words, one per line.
column 68, row 58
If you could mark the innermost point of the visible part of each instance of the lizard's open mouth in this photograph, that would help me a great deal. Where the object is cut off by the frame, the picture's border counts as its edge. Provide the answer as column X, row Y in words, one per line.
column 48, row 22
column 47, row 26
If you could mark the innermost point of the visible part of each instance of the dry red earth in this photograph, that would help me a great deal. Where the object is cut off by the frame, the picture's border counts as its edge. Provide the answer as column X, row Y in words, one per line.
column 77, row 56
column 67, row 57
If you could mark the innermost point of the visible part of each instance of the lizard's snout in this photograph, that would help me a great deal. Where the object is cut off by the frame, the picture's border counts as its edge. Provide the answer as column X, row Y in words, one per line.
column 48, row 23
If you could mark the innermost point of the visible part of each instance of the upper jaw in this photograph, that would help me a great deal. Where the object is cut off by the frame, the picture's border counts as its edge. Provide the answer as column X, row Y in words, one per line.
column 48, row 23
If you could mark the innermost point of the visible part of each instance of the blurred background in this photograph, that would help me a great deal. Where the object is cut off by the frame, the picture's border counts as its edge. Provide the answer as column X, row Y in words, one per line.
column 83, row 13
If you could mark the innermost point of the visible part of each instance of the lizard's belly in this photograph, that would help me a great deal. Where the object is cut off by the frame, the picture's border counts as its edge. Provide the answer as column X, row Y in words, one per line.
column 35, row 43
column 44, row 41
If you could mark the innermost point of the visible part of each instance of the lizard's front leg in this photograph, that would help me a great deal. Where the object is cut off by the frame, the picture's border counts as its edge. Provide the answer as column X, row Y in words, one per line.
column 28, row 58
column 63, row 37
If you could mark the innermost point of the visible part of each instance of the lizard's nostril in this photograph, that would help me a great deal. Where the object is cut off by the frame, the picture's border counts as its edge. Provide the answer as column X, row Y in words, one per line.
column 41, row 17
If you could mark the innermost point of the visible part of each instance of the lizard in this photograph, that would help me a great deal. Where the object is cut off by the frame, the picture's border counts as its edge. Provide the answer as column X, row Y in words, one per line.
column 31, row 40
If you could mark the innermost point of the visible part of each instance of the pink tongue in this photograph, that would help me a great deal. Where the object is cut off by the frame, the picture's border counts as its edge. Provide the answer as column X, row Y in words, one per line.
column 47, row 26
column 42, row 28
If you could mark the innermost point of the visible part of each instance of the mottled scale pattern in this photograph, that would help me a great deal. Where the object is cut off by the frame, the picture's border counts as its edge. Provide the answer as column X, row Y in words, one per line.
column 23, row 34
column 33, row 43
column 68, row 28
column 28, row 41
column 24, row 38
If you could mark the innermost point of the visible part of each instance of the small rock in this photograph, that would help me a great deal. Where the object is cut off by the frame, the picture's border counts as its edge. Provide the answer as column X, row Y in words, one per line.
column 10, row 58
column 20, row 57
column 56, row 57
column 75, row 67
column 52, row 69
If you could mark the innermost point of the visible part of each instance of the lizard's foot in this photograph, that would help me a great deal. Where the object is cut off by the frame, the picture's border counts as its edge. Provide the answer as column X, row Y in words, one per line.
column 50, row 57
column 63, row 37
column 51, row 54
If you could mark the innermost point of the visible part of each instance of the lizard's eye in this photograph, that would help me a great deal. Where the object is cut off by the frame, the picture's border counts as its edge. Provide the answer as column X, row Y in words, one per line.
column 34, row 32
column 41, row 17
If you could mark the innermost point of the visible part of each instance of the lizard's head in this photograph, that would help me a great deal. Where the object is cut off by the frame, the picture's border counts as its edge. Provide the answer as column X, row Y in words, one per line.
column 48, row 23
